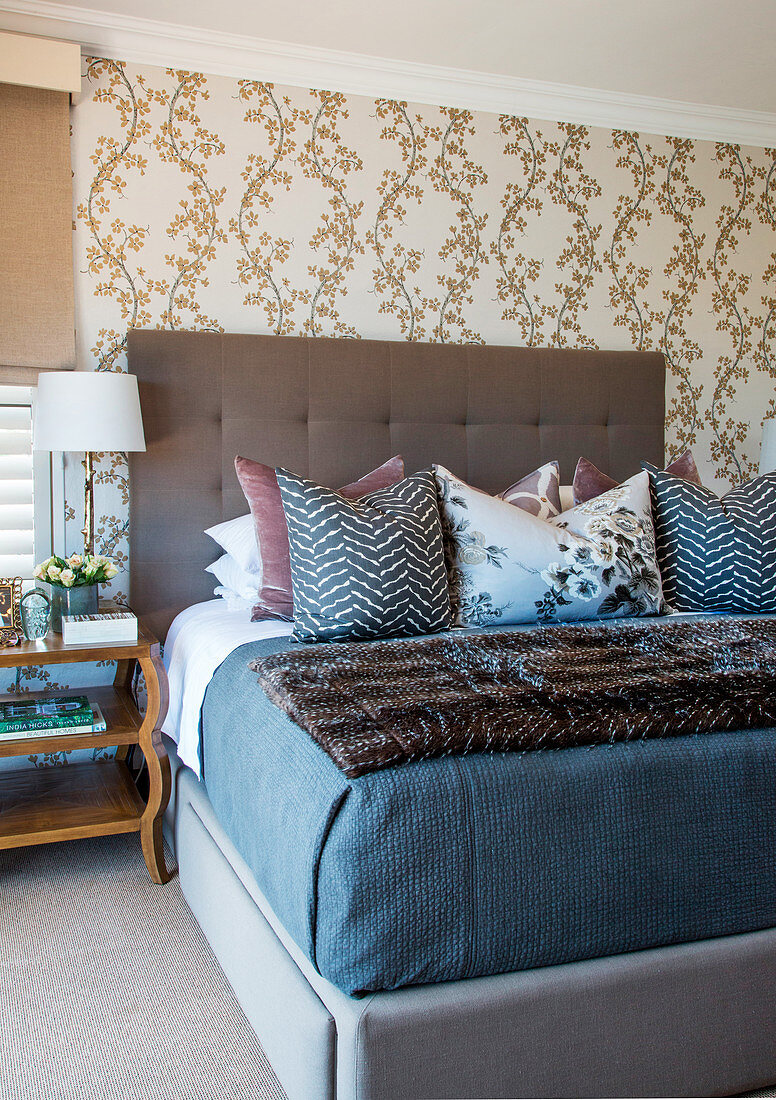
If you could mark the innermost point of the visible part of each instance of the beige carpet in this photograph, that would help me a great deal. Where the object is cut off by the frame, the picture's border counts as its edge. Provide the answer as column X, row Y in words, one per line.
column 108, row 989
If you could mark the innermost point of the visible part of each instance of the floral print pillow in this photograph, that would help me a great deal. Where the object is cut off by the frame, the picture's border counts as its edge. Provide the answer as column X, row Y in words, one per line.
column 596, row 560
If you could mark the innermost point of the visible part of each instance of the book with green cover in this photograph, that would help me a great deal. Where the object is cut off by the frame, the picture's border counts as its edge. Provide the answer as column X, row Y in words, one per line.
column 47, row 712
column 99, row 725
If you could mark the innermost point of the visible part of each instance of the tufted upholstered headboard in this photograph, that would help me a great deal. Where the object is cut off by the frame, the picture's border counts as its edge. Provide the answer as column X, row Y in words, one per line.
column 333, row 409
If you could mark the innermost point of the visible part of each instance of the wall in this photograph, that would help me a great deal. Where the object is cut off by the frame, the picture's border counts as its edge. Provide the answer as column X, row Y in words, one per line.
column 206, row 202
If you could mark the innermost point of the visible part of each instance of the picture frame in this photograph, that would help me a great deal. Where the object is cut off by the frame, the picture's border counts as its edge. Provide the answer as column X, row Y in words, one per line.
column 10, row 603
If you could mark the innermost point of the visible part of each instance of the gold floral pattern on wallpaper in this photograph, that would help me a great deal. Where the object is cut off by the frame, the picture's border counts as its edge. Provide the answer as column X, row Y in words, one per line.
column 522, row 197
column 731, row 287
column 454, row 174
column 572, row 186
column 399, row 262
column 262, row 255
column 633, row 215
column 112, row 240
column 182, row 140
column 683, row 273
column 765, row 323
column 326, row 159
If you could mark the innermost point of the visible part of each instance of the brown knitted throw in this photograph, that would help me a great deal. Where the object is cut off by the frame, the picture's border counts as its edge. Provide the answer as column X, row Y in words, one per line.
column 372, row 705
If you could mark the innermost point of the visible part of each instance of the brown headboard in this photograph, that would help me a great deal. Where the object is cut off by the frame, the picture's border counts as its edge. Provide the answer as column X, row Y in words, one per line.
column 333, row 409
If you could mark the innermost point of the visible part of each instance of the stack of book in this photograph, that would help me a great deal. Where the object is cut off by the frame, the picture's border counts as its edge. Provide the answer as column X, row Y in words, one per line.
column 49, row 716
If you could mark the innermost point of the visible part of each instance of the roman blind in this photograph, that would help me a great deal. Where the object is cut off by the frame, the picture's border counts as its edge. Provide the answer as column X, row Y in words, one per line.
column 36, row 230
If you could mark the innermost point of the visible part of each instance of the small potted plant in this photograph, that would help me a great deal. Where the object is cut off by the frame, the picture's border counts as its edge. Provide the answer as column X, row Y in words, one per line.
column 73, row 584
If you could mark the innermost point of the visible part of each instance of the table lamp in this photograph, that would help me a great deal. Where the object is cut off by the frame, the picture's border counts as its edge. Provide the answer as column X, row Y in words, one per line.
column 88, row 411
column 768, row 447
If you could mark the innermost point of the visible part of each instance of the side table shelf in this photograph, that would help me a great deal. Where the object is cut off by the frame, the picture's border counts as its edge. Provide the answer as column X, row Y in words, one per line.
column 39, row 805
column 96, row 798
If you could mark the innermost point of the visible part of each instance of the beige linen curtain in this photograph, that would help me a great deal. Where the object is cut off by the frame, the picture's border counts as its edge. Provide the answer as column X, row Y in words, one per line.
column 36, row 233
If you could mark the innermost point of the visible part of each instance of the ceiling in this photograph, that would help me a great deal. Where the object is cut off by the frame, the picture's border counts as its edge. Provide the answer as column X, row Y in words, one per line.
column 716, row 52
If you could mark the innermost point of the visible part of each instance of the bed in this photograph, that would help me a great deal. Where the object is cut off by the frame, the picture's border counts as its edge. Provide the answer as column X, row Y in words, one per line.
column 652, row 999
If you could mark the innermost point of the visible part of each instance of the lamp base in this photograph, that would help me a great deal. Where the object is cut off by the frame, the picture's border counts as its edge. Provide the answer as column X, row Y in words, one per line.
column 88, row 528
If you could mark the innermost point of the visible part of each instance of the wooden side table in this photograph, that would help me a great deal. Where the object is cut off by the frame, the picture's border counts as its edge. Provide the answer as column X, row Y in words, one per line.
column 40, row 805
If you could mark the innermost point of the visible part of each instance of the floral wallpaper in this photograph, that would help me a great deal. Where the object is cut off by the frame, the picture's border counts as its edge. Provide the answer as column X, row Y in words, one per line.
column 211, row 203
column 205, row 202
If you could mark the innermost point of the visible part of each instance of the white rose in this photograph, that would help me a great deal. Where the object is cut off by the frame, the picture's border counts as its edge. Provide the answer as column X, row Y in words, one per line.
column 54, row 572
column 38, row 571
column 74, row 561
column 584, row 587
column 110, row 571
column 67, row 576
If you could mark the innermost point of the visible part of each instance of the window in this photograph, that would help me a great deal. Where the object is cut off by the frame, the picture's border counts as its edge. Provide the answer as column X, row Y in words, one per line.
column 27, row 526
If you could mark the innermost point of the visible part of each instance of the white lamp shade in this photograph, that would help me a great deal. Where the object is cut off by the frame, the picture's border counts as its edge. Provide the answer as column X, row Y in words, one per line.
column 768, row 448
column 87, row 411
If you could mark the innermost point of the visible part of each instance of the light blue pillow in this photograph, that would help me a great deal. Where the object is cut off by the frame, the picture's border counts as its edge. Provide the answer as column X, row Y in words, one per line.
column 506, row 566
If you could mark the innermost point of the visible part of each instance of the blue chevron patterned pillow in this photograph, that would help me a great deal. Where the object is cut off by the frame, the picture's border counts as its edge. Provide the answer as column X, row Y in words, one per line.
column 716, row 555
column 368, row 568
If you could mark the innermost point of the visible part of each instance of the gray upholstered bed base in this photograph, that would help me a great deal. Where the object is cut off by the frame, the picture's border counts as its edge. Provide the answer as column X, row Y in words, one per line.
column 692, row 1020
column 696, row 1019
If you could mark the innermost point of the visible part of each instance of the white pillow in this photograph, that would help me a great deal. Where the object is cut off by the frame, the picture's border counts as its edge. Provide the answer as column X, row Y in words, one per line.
column 229, row 574
column 238, row 538
column 233, row 602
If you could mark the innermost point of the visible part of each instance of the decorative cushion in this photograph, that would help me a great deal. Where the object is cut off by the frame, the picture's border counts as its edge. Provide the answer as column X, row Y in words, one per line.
column 368, row 568
column 238, row 538
column 260, row 486
column 506, row 566
column 590, row 482
column 538, row 492
column 716, row 555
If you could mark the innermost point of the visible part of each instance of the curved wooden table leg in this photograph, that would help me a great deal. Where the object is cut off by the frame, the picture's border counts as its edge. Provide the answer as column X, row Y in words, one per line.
column 159, row 776
column 123, row 682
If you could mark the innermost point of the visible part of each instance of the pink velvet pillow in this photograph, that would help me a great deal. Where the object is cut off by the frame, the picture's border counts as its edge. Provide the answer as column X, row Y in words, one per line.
column 263, row 495
column 590, row 482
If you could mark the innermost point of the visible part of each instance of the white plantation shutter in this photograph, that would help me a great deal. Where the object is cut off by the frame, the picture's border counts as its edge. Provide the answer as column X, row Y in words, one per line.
column 17, row 508
column 25, row 488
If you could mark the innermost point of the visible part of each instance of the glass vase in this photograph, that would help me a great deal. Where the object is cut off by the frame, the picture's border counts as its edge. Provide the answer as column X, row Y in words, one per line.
column 83, row 600
column 36, row 614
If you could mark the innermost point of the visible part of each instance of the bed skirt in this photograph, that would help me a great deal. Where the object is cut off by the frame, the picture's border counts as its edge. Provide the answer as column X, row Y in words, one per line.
column 694, row 1019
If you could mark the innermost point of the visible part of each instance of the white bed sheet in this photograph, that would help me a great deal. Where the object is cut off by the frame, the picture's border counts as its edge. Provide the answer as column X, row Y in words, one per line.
column 199, row 640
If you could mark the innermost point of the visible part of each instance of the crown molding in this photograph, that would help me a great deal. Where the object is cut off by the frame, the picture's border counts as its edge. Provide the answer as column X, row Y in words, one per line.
column 171, row 45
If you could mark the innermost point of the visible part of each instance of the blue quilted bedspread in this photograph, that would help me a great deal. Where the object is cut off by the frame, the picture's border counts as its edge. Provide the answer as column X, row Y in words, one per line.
column 482, row 864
